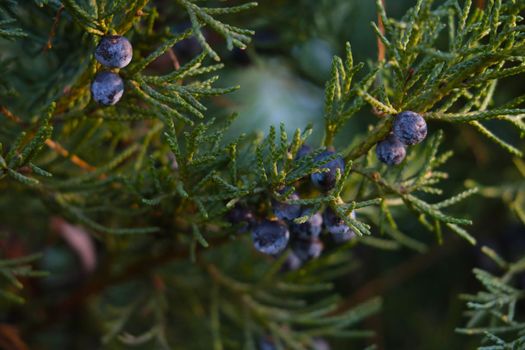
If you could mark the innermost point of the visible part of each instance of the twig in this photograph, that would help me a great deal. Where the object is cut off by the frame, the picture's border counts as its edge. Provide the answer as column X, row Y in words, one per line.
column 52, row 33
column 10, row 338
column 174, row 59
column 381, row 130
column 55, row 146
column 380, row 45
column 7, row 113
column 66, row 154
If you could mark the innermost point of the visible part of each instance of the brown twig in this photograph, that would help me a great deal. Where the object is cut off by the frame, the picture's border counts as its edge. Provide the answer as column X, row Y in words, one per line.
column 55, row 146
column 480, row 4
column 10, row 115
column 380, row 46
column 174, row 59
column 52, row 33
column 10, row 338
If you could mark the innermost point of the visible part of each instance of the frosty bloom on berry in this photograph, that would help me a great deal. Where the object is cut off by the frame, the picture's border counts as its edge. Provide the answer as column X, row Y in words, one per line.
column 309, row 229
column 336, row 226
column 410, row 128
column 391, row 151
column 325, row 179
column 307, row 249
column 270, row 237
column 107, row 88
column 285, row 211
column 114, row 51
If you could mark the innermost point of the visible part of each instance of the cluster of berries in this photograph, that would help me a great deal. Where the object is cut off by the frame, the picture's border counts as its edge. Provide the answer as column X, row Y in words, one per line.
column 409, row 129
column 273, row 236
column 113, row 52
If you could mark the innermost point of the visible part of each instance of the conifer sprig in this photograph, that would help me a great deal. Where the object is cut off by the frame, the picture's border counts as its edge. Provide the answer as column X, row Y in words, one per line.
column 204, row 16
column 8, row 24
column 11, row 271
column 454, row 86
column 492, row 313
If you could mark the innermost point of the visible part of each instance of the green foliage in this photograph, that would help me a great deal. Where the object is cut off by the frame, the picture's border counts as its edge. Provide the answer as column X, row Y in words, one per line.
column 22, row 152
column 201, row 16
column 456, row 85
column 241, row 312
column 493, row 313
column 511, row 193
column 154, row 175
column 11, row 271
column 10, row 32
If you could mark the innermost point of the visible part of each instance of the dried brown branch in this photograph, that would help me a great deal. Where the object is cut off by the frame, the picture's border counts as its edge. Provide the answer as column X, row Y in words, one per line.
column 7, row 113
column 52, row 33
column 381, row 52
column 55, row 146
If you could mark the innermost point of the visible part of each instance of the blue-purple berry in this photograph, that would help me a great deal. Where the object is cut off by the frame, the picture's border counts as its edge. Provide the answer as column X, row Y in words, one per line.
column 303, row 151
column 242, row 216
column 114, row 51
column 310, row 229
column 107, row 88
column 307, row 249
column 410, row 128
column 266, row 343
column 391, row 151
column 270, row 237
column 325, row 179
column 239, row 213
column 320, row 344
column 292, row 262
column 285, row 211
column 336, row 226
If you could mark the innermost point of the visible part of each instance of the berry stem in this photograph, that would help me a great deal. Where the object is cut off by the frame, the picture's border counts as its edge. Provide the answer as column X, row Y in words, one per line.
column 377, row 134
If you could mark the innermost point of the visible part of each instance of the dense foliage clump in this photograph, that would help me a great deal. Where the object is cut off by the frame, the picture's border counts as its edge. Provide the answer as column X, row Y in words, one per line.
column 137, row 214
